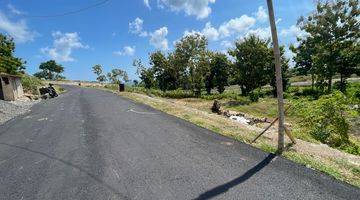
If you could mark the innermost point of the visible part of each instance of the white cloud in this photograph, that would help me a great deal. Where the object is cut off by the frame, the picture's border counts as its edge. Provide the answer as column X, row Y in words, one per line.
column 136, row 27
column 63, row 45
column 127, row 51
column 186, row 33
column 192, row 32
column 210, row 32
column 147, row 4
column 236, row 25
column 293, row 31
column 18, row 30
column 278, row 20
column 14, row 10
column 233, row 26
column 226, row 44
column 263, row 33
column 158, row 38
column 198, row 8
column 261, row 14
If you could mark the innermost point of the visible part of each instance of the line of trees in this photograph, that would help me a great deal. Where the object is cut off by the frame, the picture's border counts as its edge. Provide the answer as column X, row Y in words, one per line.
column 192, row 66
column 329, row 47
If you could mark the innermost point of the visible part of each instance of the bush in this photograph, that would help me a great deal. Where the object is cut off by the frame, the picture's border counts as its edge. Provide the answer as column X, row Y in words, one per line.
column 178, row 94
column 31, row 84
column 112, row 86
column 339, row 85
column 309, row 92
column 326, row 119
column 293, row 89
column 254, row 96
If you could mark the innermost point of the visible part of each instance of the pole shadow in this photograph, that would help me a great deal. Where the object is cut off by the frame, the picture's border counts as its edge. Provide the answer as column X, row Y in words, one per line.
column 225, row 187
column 92, row 176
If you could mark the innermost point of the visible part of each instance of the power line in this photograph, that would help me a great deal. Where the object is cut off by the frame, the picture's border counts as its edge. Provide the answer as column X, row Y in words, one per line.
column 69, row 12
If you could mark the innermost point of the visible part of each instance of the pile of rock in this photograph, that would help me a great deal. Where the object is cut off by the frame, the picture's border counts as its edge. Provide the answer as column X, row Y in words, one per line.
column 237, row 116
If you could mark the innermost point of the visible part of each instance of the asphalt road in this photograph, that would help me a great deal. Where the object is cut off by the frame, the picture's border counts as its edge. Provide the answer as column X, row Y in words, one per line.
column 92, row 144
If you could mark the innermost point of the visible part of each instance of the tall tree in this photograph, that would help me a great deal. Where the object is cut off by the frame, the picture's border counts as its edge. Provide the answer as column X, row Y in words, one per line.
column 50, row 70
column 284, row 71
column 220, row 69
column 304, row 64
column 8, row 62
column 163, row 72
column 146, row 75
column 117, row 75
column 199, row 65
column 187, row 58
column 252, row 58
column 334, row 28
column 97, row 69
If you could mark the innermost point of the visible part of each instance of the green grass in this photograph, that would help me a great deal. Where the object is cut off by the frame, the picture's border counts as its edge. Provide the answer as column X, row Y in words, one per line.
column 315, row 164
column 265, row 107
column 31, row 84
column 267, row 147
column 336, row 167
column 59, row 89
column 300, row 78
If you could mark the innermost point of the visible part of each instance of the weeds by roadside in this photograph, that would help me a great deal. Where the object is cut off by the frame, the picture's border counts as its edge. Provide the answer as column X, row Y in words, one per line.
column 31, row 84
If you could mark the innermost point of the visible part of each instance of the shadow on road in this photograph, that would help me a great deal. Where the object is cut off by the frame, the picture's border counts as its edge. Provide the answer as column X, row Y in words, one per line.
column 225, row 187
column 95, row 178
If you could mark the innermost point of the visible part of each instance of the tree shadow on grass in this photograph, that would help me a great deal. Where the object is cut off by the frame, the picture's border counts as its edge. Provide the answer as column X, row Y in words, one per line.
column 225, row 187
column 92, row 176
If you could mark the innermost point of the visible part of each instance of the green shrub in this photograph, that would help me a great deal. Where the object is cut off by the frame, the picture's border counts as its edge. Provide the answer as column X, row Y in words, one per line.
column 351, row 148
column 178, row 94
column 254, row 96
column 309, row 92
column 31, row 84
column 339, row 85
column 293, row 89
column 326, row 119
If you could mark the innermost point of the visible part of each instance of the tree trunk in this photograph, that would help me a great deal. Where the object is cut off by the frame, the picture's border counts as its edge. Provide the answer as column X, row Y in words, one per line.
column 329, row 84
column 312, row 81
column 342, row 83
column 244, row 91
column 208, row 91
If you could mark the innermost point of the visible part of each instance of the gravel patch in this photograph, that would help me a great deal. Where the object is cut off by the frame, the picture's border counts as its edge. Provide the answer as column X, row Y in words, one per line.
column 11, row 109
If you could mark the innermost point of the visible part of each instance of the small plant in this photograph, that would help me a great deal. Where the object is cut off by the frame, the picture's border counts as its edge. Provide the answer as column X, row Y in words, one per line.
column 254, row 96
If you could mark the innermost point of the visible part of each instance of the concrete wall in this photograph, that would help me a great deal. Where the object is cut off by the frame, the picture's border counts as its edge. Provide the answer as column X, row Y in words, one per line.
column 12, row 89
column 7, row 89
column 18, row 88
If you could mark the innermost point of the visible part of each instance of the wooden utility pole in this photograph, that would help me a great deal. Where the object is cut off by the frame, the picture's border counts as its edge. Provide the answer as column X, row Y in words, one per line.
column 279, row 85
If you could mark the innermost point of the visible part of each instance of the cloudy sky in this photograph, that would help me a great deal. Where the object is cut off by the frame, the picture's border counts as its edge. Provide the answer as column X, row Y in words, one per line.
column 79, row 34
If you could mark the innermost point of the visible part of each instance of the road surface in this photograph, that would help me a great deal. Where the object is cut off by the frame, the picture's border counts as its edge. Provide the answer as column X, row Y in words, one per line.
column 92, row 144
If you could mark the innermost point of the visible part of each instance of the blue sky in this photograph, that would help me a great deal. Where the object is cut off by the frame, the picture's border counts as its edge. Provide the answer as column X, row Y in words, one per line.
column 118, row 31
